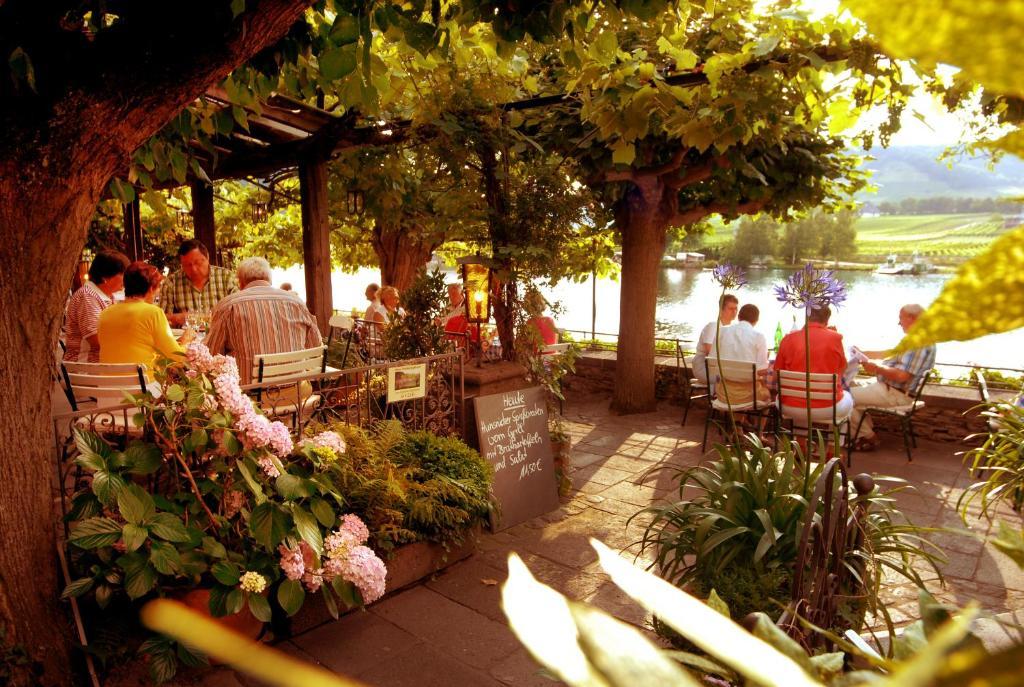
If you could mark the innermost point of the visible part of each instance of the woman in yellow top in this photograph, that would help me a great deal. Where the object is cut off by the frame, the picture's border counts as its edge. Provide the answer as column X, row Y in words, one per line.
column 136, row 331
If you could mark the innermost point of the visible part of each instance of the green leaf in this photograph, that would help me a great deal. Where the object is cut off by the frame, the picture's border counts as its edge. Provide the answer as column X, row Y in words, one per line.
column 169, row 527
column 347, row 592
column 122, row 190
column 219, row 600
column 237, row 7
column 165, row 558
column 134, row 536
column 95, row 533
column 214, row 548
column 308, row 529
column 139, row 581
column 226, row 573
column 345, row 29
column 142, row 458
column 337, row 63
column 93, row 450
column 235, row 601
column 106, row 486
column 77, row 588
column 198, row 440
column 1011, row 542
column 174, row 393
column 623, row 153
column 163, row 666
column 268, row 524
column 328, row 597
column 292, row 487
column 21, row 67
column 245, row 467
column 323, row 512
column 716, row 602
column 193, row 563
column 135, row 505
column 291, row 595
column 259, row 607
column 230, row 443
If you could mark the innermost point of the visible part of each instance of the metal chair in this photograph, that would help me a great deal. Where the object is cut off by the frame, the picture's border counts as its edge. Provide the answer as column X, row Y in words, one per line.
column 820, row 386
column 905, row 414
column 693, row 388
column 740, row 372
column 104, row 383
column 343, row 327
column 370, row 337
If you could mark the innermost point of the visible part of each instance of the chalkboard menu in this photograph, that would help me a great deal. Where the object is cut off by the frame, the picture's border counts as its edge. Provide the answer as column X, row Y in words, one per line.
column 513, row 432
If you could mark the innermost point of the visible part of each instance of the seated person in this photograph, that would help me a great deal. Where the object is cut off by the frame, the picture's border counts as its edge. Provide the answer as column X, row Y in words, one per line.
column 259, row 319
column 389, row 300
column 106, row 277
column 827, row 356
column 197, row 287
column 743, row 343
column 458, row 329
column 375, row 312
column 542, row 325
column 726, row 314
column 136, row 331
column 897, row 379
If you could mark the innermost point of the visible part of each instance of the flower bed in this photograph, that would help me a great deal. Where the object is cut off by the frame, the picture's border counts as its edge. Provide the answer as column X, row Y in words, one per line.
column 220, row 497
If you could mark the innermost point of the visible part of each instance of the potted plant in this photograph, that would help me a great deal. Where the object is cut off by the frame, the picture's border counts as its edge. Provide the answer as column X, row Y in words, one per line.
column 219, row 498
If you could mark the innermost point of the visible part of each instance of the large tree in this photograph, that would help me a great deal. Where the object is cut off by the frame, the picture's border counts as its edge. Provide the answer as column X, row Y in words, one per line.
column 730, row 108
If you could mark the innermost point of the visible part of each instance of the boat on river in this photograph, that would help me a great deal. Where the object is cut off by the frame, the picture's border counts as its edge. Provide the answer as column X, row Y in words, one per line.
column 916, row 266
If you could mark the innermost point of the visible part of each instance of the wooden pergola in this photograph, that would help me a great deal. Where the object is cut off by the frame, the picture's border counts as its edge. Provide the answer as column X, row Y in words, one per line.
column 288, row 135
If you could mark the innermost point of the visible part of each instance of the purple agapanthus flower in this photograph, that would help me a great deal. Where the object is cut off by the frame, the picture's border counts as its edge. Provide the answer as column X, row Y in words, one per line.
column 729, row 276
column 811, row 288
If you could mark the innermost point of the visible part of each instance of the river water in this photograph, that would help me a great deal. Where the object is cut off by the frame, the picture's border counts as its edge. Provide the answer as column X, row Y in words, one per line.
column 687, row 300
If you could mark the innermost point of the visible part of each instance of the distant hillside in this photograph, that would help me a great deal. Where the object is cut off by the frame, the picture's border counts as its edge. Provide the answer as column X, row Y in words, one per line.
column 914, row 172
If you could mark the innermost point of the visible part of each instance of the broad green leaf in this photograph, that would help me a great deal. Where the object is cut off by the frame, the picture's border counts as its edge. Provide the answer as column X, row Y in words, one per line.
column 198, row 440
column 347, row 592
column 771, row 633
column 345, row 29
column 162, row 666
column 235, row 601
column 702, row 625
column 623, row 153
column 293, row 487
column 245, row 467
column 226, row 573
column 134, row 536
column 1011, row 542
column 95, row 533
column 921, row 670
column 169, row 527
column 78, row 587
column 142, row 458
column 175, row 393
column 237, row 7
column 540, row 617
column 230, row 443
column 214, row 548
column 332, row 605
column 165, row 558
column 985, row 297
column 841, row 116
column 716, row 602
column 974, row 36
column 268, row 524
column 323, row 512
column 139, row 581
column 291, row 595
column 259, row 607
column 135, row 505
column 337, row 63
column 92, row 449
column 219, row 600
column 307, row 527
column 268, row 665
column 621, row 654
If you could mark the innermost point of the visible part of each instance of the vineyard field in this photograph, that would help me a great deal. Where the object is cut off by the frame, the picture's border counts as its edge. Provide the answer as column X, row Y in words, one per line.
column 943, row 238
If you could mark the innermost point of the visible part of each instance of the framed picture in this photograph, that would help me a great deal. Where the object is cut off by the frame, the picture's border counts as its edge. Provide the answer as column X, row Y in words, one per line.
column 407, row 382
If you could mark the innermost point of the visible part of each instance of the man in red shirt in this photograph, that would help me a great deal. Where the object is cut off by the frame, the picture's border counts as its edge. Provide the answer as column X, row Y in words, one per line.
column 827, row 356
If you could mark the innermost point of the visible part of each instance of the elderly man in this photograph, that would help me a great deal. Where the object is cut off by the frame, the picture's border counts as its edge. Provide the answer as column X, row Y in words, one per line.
column 744, row 343
column 897, row 379
column 197, row 287
column 726, row 314
column 259, row 319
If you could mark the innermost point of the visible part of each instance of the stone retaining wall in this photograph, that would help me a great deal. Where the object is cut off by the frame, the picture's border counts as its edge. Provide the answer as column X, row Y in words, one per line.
column 948, row 414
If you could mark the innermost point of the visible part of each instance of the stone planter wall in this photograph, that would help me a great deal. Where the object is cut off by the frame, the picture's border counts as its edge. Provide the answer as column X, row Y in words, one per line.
column 948, row 414
column 409, row 564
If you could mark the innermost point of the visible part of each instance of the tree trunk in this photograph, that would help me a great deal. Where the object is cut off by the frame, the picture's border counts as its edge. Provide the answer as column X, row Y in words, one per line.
column 504, row 293
column 44, row 229
column 56, row 158
column 316, row 241
column 401, row 252
column 642, row 217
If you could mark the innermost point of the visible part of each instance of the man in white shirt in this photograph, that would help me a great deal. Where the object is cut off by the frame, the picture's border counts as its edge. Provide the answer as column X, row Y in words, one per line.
column 726, row 314
column 744, row 343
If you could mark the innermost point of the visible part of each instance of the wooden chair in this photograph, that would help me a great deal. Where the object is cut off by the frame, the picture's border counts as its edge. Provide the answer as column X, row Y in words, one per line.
column 821, row 387
column 693, row 388
column 277, row 371
column 738, row 372
column 905, row 415
column 104, row 383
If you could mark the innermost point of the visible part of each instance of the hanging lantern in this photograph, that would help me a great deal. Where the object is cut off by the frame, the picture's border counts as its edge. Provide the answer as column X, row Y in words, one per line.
column 260, row 211
column 356, row 202
column 184, row 218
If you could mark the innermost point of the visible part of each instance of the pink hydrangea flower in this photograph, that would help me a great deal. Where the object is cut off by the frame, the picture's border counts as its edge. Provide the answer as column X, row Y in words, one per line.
column 292, row 564
column 331, row 440
column 353, row 525
column 280, row 439
column 366, row 571
column 339, row 543
column 266, row 464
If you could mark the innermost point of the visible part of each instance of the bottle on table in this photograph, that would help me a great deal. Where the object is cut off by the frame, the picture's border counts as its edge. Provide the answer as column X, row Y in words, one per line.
column 778, row 336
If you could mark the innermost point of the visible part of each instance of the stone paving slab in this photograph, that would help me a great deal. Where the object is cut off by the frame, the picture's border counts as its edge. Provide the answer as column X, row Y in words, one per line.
column 451, row 630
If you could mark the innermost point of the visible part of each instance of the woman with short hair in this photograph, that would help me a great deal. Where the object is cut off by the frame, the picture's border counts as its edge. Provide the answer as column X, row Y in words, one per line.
column 106, row 276
column 136, row 331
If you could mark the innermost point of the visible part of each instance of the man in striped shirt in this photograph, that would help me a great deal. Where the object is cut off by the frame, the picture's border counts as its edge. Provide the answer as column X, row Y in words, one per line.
column 897, row 381
column 197, row 287
column 259, row 319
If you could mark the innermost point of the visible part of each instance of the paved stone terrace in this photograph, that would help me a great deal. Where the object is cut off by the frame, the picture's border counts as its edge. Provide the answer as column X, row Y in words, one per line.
column 450, row 631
